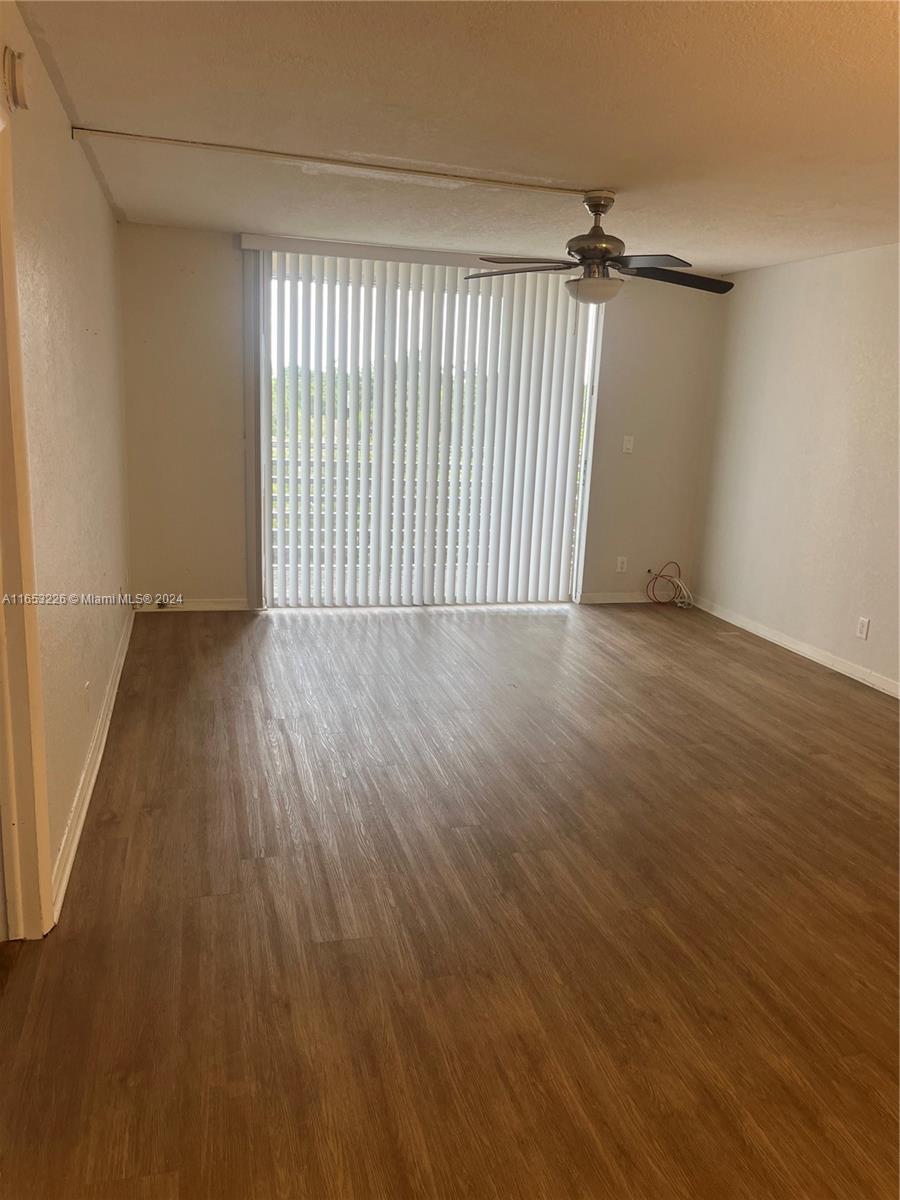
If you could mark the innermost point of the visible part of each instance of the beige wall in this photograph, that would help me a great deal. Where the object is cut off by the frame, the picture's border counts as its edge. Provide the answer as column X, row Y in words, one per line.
column 183, row 331
column 658, row 376
column 65, row 247
column 801, row 516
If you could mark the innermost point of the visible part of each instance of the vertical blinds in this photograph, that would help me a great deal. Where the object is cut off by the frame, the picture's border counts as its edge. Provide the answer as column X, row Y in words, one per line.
column 426, row 433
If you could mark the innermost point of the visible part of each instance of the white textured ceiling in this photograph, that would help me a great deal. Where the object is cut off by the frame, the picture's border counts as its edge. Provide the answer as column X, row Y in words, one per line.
column 736, row 134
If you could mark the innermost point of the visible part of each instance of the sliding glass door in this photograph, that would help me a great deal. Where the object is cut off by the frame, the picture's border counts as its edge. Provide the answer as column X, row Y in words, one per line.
column 423, row 436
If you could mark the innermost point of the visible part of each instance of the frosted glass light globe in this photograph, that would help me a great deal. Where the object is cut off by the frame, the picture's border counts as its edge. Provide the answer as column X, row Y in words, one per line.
column 593, row 291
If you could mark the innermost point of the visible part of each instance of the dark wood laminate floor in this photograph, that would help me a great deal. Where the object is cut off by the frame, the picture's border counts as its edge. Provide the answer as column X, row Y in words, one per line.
column 560, row 904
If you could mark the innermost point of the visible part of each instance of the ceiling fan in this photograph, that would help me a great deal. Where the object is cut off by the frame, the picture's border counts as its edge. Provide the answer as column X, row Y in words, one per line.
column 596, row 252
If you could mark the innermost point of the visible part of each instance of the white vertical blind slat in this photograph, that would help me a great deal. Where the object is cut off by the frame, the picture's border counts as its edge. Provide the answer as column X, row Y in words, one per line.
column 578, row 387
column 340, row 436
column 353, row 394
column 292, row 332
column 315, row 436
column 374, row 451
column 387, row 392
column 443, row 452
column 433, row 428
column 509, row 294
column 477, row 444
column 455, row 435
column 585, row 443
column 555, row 430
column 467, row 417
column 419, row 514
column 411, row 439
column 485, row 467
column 266, row 276
column 368, row 278
column 278, row 433
column 534, row 403
column 519, row 481
column 306, row 301
column 399, row 447
column 328, row 433
column 539, row 550
column 400, row 421
column 562, row 448
column 512, row 385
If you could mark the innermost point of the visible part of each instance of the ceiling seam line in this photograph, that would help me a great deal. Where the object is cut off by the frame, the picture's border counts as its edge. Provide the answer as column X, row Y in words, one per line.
column 83, row 133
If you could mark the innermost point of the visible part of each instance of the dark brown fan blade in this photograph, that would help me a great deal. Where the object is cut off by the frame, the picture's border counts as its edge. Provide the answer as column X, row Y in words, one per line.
column 522, row 271
column 648, row 260
column 561, row 262
column 683, row 279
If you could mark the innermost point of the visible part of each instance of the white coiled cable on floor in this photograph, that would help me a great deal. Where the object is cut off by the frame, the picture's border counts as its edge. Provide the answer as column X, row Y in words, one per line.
column 679, row 593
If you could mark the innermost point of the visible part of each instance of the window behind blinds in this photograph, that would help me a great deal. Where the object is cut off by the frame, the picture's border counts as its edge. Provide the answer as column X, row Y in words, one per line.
column 426, row 433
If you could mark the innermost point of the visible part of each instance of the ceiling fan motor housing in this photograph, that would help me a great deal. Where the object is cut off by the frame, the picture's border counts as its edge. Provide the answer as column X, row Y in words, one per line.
column 594, row 246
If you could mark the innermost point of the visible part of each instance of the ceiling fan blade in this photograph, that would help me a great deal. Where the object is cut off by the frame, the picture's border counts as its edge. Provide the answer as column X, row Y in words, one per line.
column 522, row 271
column 648, row 260
column 561, row 262
column 683, row 279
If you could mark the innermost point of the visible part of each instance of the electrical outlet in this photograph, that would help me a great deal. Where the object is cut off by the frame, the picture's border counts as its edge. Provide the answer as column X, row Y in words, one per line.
column 862, row 628
column 621, row 565
column 628, row 443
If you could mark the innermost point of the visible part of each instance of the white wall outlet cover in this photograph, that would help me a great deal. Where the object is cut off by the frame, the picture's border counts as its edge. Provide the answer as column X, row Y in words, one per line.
column 621, row 565
column 862, row 628
column 628, row 443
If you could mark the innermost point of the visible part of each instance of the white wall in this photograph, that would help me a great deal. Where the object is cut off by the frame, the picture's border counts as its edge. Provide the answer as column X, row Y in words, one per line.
column 65, row 239
column 801, row 516
column 183, row 339
column 658, row 375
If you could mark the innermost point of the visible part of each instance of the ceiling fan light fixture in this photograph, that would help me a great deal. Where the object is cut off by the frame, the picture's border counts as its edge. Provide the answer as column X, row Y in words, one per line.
column 595, row 290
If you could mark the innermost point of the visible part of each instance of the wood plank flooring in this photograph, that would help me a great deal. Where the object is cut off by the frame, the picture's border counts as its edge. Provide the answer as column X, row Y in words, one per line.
column 548, row 904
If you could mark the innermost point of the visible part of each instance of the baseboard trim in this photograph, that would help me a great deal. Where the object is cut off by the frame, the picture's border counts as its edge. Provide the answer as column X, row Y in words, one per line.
column 62, row 868
column 843, row 665
column 228, row 604
column 613, row 598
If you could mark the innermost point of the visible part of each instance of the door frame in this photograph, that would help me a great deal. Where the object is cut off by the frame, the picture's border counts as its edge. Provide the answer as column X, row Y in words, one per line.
column 27, row 866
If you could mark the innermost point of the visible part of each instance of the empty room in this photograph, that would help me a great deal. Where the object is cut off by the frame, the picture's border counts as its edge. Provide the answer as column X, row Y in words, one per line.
column 449, row 625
